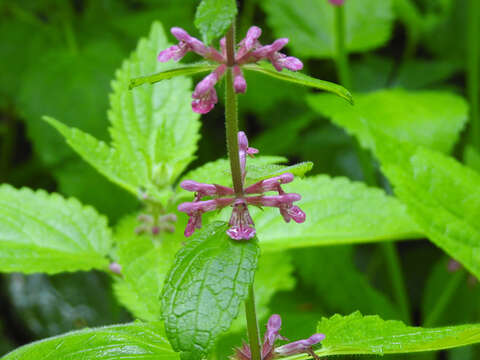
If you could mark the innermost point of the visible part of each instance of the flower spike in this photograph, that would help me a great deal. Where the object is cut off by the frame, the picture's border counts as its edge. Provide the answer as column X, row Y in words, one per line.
column 249, row 50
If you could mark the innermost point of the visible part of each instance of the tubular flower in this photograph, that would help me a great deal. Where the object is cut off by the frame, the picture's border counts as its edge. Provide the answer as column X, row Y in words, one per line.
column 268, row 347
column 249, row 50
column 241, row 223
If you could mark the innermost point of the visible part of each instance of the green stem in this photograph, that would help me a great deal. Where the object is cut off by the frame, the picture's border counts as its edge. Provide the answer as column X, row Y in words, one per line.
column 397, row 279
column 449, row 290
column 252, row 326
column 231, row 115
column 473, row 69
column 368, row 170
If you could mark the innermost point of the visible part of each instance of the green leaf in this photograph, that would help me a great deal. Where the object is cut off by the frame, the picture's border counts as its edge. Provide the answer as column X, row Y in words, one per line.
column 145, row 262
column 340, row 284
column 413, row 117
column 368, row 25
column 257, row 173
column 154, row 131
column 301, row 79
column 42, row 232
column 130, row 341
column 183, row 70
column 471, row 157
column 357, row 334
column 205, row 287
column 441, row 195
column 213, row 17
column 338, row 212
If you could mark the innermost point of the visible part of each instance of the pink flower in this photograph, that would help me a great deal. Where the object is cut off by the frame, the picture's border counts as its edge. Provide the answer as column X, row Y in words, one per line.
column 249, row 50
column 271, row 335
column 337, row 2
column 241, row 223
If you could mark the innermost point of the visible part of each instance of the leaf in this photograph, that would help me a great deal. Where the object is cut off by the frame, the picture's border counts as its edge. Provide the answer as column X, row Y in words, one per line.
column 338, row 212
column 205, row 287
column 213, row 17
column 145, row 262
column 358, row 334
column 130, row 341
column 368, row 25
column 413, row 117
column 471, row 157
column 301, row 79
column 440, row 194
column 336, row 280
column 183, row 70
column 257, row 173
column 42, row 232
column 154, row 131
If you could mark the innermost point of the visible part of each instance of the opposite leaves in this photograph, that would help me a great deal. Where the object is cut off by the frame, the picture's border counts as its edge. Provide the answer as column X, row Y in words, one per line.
column 205, row 287
column 42, row 232
column 135, row 341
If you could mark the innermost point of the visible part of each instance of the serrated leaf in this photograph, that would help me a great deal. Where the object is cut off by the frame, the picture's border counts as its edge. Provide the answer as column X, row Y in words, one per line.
column 257, row 173
column 441, row 195
column 301, row 79
column 183, row 70
column 358, row 334
column 368, row 25
column 213, row 17
column 413, row 117
column 145, row 262
column 133, row 341
column 154, row 131
column 41, row 232
column 338, row 212
column 205, row 287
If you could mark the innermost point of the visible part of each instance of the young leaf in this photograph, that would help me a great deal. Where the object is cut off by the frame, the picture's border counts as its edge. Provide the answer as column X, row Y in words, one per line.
column 154, row 132
column 301, row 79
column 42, row 232
column 136, row 341
column 368, row 25
column 205, row 287
column 213, row 17
column 145, row 263
column 356, row 334
column 182, row 70
column 413, row 117
column 338, row 212
column 441, row 195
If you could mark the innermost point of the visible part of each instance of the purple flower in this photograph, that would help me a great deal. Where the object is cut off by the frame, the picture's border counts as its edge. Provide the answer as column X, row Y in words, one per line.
column 337, row 2
column 249, row 50
column 271, row 335
column 241, row 223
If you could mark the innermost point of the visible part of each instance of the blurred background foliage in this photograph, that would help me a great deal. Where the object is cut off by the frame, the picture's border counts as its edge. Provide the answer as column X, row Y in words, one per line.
column 58, row 58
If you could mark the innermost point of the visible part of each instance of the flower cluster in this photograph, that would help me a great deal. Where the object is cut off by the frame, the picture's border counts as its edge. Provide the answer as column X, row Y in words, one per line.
column 271, row 335
column 249, row 50
column 241, row 223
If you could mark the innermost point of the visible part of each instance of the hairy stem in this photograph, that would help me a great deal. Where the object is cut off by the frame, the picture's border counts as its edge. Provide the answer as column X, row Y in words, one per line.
column 231, row 115
column 442, row 303
column 252, row 326
column 473, row 70
column 368, row 170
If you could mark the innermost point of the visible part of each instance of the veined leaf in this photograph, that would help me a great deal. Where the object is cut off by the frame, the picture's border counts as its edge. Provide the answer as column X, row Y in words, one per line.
column 213, row 17
column 441, row 195
column 356, row 334
column 154, row 131
column 42, row 232
column 257, row 173
column 182, row 70
column 145, row 263
column 368, row 24
column 338, row 212
column 205, row 287
column 301, row 79
column 130, row 341
column 413, row 117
